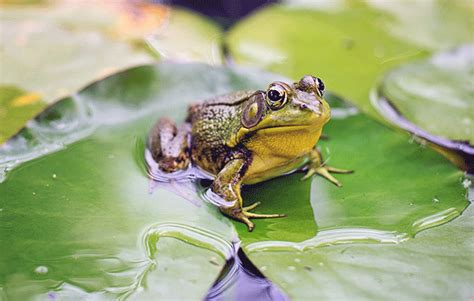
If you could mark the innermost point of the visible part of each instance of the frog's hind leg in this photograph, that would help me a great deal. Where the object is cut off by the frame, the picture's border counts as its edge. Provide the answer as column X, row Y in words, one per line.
column 169, row 146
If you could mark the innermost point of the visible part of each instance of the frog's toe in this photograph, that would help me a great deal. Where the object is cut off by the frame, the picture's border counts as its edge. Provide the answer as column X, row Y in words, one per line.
column 309, row 174
column 338, row 170
column 245, row 219
column 256, row 215
column 324, row 171
column 249, row 224
column 247, row 213
column 243, row 215
column 251, row 207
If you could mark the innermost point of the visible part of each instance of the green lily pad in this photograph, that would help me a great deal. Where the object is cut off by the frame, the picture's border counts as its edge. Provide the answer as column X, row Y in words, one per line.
column 188, row 37
column 433, row 99
column 82, row 49
column 349, row 44
column 16, row 107
column 436, row 265
column 81, row 219
column 53, row 50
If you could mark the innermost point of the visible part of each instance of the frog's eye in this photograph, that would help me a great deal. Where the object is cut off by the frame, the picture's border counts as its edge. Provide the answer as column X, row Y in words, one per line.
column 319, row 85
column 276, row 97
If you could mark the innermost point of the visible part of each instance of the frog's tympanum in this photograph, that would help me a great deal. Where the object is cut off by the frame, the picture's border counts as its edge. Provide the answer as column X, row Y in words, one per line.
column 248, row 137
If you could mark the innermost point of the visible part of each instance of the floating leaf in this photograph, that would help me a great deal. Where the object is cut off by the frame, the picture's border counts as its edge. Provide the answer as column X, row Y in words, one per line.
column 81, row 219
column 16, row 107
column 349, row 44
column 437, row 264
column 53, row 50
column 433, row 100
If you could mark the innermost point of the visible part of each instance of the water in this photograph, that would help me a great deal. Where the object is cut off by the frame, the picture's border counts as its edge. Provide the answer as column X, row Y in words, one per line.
column 240, row 280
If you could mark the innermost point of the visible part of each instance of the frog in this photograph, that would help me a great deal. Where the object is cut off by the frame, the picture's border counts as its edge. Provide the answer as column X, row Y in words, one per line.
column 247, row 137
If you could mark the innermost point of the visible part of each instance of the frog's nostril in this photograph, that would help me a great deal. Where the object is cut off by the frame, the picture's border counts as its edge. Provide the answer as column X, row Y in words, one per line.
column 303, row 106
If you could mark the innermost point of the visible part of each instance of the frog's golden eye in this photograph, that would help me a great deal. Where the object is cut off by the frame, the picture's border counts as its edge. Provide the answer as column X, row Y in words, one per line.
column 276, row 97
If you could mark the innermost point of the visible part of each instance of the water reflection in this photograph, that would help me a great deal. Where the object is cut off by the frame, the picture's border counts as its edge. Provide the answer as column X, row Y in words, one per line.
column 241, row 280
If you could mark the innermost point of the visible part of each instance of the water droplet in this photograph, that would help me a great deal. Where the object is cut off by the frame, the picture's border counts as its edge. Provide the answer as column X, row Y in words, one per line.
column 54, row 176
column 140, row 289
column 291, row 268
column 263, row 268
column 435, row 200
column 466, row 183
column 214, row 261
column 41, row 270
column 34, row 193
column 297, row 260
column 321, row 264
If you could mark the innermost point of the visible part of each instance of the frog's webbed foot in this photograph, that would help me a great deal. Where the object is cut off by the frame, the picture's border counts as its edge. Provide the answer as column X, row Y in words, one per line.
column 227, row 186
column 316, row 166
column 325, row 172
column 244, row 215
column 256, row 215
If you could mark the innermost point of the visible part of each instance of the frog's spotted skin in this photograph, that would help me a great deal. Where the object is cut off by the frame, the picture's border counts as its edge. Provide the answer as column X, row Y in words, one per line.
column 247, row 137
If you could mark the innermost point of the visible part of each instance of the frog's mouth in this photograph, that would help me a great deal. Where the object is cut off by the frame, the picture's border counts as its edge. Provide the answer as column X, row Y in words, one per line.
column 286, row 128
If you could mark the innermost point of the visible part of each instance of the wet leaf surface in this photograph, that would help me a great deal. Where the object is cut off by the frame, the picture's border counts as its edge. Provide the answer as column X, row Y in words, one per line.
column 53, row 50
column 436, row 265
column 16, row 107
column 79, row 216
column 349, row 44
column 188, row 37
column 436, row 94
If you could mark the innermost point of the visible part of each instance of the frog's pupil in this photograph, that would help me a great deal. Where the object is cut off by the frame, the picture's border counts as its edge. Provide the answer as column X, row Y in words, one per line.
column 320, row 85
column 274, row 95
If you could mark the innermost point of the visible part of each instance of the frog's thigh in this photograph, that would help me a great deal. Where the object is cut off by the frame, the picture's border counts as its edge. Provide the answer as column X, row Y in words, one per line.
column 169, row 145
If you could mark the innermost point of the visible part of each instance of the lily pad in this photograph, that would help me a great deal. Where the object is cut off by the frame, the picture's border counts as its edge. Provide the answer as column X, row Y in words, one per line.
column 436, row 265
column 16, row 106
column 53, row 50
column 81, row 219
column 433, row 99
column 349, row 44
column 202, row 38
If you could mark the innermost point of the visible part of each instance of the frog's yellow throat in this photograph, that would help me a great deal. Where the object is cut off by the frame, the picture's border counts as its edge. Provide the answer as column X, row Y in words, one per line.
column 279, row 150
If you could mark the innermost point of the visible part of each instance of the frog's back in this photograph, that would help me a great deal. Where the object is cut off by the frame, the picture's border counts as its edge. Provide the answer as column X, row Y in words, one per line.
column 214, row 121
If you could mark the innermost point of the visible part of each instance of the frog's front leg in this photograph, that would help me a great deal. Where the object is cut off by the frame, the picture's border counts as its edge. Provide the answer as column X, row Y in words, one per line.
column 227, row 185
column 316, row 165
column 169, row 145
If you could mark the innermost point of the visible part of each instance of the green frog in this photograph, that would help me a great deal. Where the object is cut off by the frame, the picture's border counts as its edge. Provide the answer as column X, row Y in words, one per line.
column 248, row 137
